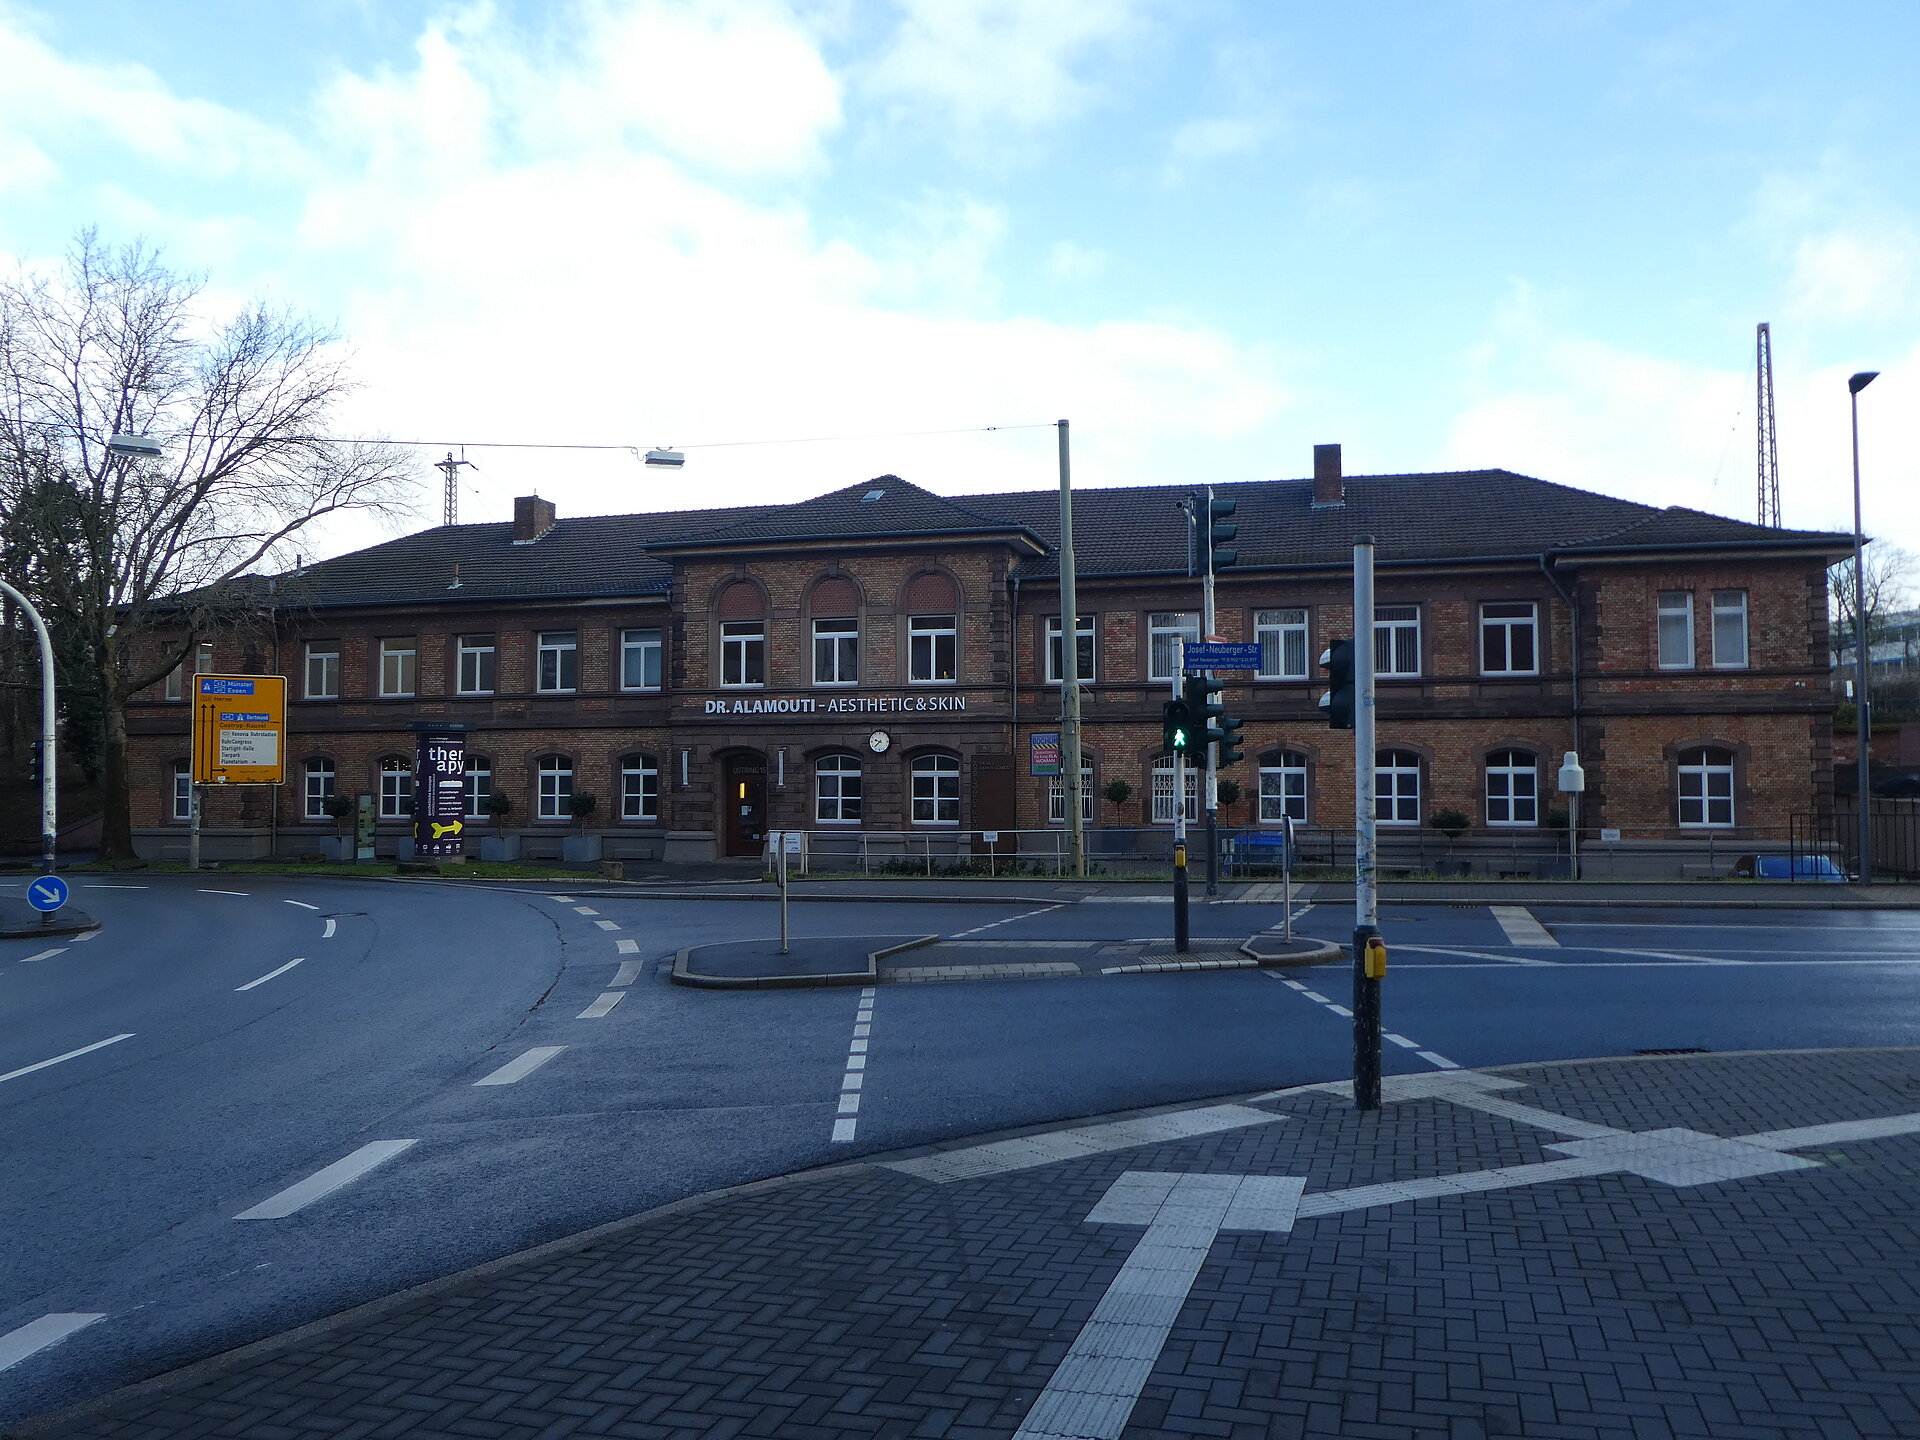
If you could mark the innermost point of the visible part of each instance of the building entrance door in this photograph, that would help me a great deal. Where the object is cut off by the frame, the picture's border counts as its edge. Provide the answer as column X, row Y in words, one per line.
column 746, row 803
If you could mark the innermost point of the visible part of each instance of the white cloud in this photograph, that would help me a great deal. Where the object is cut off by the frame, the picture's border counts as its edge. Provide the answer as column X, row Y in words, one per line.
column 1848, row 274
column 1074, row 264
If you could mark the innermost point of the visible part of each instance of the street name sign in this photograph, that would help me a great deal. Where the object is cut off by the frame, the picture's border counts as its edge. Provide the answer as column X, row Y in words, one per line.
column 1220, row 655
column 239, row 729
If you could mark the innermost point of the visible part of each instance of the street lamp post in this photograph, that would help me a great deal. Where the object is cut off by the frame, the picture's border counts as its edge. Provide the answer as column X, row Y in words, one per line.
column 49, row 762
column 1862, row 721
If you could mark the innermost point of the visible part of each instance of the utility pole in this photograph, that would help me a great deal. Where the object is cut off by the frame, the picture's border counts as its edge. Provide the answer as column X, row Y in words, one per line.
column 450, row 506
column 1213, row 754
column 1070, row 670
column 1367, row 945
column 1180, row 929
column 1763, row 410
column 49, row 758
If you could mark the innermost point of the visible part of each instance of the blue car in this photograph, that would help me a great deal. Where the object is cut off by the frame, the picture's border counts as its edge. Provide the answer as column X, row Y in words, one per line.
column 1816, row 868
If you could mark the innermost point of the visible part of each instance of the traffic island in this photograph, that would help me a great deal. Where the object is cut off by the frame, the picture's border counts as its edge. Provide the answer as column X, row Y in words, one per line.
column 813, row 962
column 1271, row 949
column 20, row 921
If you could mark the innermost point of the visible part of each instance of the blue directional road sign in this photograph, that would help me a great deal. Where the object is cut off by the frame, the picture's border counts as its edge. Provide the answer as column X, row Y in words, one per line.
column 1219, row 655
column 49, row 892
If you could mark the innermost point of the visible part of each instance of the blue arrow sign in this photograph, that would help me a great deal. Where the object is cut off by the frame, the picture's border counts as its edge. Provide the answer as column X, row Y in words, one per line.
column 49, row 892
column 1220, row 655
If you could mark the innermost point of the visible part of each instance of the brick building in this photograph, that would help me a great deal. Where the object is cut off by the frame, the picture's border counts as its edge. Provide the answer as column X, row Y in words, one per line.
column 873, row 663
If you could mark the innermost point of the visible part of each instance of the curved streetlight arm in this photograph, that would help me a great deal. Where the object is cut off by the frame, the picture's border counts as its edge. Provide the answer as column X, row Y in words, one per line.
column 48, row 830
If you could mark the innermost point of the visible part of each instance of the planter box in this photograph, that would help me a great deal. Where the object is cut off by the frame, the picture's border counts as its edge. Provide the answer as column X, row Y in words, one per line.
column 580, row 849
column 500, row 847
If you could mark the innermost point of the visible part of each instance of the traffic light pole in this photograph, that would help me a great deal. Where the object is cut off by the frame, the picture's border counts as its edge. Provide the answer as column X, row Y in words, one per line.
column 1213, row 751
column 1179, row 812
column 1366, row 907
column 49, row 757
column 1073, row 780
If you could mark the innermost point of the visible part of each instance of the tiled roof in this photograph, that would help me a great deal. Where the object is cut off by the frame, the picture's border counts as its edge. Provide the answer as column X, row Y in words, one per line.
column 1458, row 515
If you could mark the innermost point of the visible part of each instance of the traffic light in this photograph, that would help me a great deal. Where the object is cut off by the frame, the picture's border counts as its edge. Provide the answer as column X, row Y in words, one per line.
column 1229, row 742
column 1337, row 661
column 1204, row 708
column 1219, row 557
column 1177, row 728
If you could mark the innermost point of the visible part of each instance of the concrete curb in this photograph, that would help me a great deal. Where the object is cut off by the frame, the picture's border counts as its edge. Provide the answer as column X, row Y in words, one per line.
column 71, row 922
column 685, row 974
column 1318, row 954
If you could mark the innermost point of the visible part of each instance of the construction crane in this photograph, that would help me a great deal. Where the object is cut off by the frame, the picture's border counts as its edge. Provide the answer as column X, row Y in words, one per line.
column 1763, row 409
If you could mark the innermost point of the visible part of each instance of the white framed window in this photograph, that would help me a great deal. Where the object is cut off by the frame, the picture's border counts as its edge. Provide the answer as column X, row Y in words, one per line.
column 1396, row 640
column 936, row 790
column 1283, row 788
column 478, row 664
column 559, row 659
column 1509, row 640
column 933, row 649
column 320, row 780
column 639, row 788
column 1396, row 787
column 836, row 652
column 743, row 652
column 1164, row 627
column 640, row 657
column 396, row 788
column 1676, row 629
column 182, row 806
column 1730, row 629
column 176, row 688
column 1161, row 785
column 554, row 788
column 836, row 790
column 1704, row 788
column 1513, row 788
column 399, row 668
column 323, row 670
column 1282, row 635
column 478, row 785
column 1083, row 651
column 1057, row 797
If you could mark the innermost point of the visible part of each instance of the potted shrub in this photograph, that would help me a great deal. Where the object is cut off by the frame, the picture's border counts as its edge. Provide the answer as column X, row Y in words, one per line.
column 581, row 846
column 341, row 809
column 1450, row 823
column 499, row 845
column 1230, row 793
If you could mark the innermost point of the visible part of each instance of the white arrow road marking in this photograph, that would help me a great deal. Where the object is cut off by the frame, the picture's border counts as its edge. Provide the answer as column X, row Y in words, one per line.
column 1521, row 927
column 324, row 1182
column 1096, row 1386
column 608, row 999
column 83, row 1050
column 269, row 975
column 301, row 903
column 37, row 1335
column 520, row 1068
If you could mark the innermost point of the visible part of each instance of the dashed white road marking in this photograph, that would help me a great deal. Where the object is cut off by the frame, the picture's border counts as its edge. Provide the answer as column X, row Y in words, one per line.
column 606, row 925
column 43, row 955
column 324, row 1182
column 608, row 999
column 243, row 894
column 1401, row 1040
column 628, row 972
column 585, row 910
column 327, row 934
column 301, row 903
column 1521, row 927
column 36, row 1335
column 561, row 899
column 853, row 1077
column 1433, row 1059
column 71, row 1054
column 1027, row 915
column 522, row 1066
column 626, row 947
column 1344, row 1013
column 269, row 975
column 83, row 937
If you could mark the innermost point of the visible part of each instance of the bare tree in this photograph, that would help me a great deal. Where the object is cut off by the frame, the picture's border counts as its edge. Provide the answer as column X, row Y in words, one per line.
column 136, row 559
column 1890, row 573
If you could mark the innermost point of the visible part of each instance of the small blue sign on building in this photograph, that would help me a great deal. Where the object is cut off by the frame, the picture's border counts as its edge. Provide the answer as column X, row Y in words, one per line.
column 1221, row 655
column 49, row 892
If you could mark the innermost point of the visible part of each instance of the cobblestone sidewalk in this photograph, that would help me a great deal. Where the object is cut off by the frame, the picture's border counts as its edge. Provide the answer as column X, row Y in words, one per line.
column 1723, row 1246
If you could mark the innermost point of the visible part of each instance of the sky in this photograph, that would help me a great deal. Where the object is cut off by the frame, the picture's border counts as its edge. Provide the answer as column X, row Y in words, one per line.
column 1534, row 235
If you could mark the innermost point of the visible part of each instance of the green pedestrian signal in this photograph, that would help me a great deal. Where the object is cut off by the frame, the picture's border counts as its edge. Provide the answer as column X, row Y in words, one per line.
column 1177, row 728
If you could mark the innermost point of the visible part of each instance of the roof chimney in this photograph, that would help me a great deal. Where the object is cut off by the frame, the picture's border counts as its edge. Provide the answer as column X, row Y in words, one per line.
column 1327, row 486
column 532, row 518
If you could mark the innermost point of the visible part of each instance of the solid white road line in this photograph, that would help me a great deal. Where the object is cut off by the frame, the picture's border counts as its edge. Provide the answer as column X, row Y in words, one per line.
column 628, row 972
column 43, row 955
column 606, row 925
column 269, row 975
column 1476, row 954
column 243, row 894
column 327, row 934
column 1669, row 955
column 114, row 887
column 1024, row 1152
column 608, row 999
column 626, row 947
column 301, row 903
column 37, row 1335
column 324, row 1182
column 84, row 1049
column 1521, row 927
column 521, row 1068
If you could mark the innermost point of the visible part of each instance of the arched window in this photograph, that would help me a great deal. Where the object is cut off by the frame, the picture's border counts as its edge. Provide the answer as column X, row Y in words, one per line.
column 182, row 807
column 1283, row 787
column 836, row 790
column 936, row 790
column 554, row 787
column 1162, row 777
column 1704, row 788
column 321, row 778
column 479, row 786
column 1513, row 788
column 396, row 788
column 1396, row 793
column 639, row 788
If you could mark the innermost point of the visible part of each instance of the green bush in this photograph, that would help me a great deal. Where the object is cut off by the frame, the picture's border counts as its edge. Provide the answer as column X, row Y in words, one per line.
column 1450, row 823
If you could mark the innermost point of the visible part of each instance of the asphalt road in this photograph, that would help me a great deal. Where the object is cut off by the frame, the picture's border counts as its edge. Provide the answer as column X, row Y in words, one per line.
column 128, row 1164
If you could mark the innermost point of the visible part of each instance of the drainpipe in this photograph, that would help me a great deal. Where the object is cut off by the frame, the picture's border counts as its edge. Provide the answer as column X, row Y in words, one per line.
column 1573, row 657
column 1013, row 677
